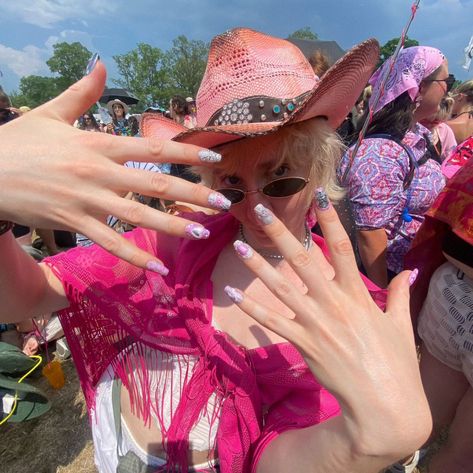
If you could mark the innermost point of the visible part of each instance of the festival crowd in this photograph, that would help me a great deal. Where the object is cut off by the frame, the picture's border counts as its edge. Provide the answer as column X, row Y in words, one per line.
column 277, row 276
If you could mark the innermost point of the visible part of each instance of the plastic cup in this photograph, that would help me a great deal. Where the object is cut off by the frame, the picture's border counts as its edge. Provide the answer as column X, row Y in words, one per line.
column 54, row 374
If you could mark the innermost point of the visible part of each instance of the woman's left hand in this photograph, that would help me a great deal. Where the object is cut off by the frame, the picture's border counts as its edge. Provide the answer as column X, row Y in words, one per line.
column 364, row 356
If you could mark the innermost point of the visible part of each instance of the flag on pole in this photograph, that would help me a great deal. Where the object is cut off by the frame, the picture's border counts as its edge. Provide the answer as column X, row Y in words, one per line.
column 468, row 55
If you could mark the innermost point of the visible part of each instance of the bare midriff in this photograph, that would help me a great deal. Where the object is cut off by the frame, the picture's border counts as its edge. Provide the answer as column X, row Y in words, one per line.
column 149, row 438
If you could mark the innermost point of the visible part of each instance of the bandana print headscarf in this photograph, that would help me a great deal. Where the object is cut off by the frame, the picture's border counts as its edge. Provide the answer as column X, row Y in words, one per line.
column 412, row 66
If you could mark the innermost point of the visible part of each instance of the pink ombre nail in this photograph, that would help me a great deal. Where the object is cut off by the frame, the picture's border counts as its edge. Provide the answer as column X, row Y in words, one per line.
column 244, row 250
column 196, row 231
column 157, row 267
column 234, row 294
column 413, row 276
column 218, row 201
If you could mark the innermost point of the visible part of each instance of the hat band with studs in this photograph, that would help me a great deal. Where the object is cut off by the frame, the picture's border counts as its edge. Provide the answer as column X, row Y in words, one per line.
column 256, row 109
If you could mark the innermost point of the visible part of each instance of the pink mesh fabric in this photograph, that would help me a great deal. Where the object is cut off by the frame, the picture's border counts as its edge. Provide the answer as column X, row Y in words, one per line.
column 116, row 310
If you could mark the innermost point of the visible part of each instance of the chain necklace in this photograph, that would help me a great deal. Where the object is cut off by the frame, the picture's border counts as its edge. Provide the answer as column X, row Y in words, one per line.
column 307, row 244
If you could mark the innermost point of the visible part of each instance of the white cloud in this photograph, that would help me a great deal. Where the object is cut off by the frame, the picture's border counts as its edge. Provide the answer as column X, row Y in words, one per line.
column 32, row 59
column 46, row 13
column 70, row 36
column 27, row 61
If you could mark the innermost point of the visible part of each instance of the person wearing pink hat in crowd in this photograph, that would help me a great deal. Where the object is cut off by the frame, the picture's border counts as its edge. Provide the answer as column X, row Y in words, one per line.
column 394, row 177
column 236, row 342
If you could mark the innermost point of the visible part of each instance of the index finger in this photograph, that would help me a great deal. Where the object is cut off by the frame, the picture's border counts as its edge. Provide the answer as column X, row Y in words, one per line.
column 151, row 150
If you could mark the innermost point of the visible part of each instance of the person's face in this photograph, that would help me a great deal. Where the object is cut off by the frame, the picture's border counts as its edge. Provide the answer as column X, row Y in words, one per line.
column 250, row 177
column 118, row 110
column 87, row 120
column 431, row 93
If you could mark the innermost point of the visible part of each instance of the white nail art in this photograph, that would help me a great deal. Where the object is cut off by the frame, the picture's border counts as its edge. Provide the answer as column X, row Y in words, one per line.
column 263, row 214
column 234, row 294
column 218, row 201
column 208, row 156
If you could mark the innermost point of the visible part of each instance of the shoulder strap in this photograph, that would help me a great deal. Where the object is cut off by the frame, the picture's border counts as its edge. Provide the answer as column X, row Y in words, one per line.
column 412, row 161
column 117, row 412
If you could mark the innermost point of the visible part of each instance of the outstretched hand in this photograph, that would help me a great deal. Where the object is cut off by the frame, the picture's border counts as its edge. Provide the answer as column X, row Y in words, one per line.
column 56, row 176
column 365, row 356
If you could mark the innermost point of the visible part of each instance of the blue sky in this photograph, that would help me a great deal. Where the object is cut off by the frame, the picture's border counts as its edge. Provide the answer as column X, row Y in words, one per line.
column 29, row 28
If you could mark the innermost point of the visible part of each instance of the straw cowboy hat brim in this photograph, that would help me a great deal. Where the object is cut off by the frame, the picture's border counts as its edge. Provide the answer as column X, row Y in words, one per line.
column 113, row 102
column 331, row 97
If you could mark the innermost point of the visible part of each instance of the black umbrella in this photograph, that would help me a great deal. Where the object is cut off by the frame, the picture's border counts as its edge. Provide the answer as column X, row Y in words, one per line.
column 124, row 95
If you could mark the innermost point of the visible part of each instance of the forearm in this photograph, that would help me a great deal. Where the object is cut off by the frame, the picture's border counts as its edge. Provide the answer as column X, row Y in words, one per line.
column 23, row 284
column 372, row 246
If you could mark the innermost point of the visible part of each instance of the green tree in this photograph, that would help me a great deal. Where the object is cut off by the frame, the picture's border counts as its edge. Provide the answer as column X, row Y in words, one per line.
column 388, row 49
column 68, row 61
column 34, row 91
column 304, row 33
column 143, row 73
column 186, row 62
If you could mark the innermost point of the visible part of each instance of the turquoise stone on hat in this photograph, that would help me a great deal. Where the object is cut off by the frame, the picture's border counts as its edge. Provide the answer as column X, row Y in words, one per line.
column 290, row 107
column 276, row 109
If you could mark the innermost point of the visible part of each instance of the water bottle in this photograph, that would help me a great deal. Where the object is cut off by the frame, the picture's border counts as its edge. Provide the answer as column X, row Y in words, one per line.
column 105, row 117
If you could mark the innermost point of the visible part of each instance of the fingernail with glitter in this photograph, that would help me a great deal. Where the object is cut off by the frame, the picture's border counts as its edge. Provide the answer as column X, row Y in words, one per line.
column 207, row 156
column 196, row 231
column 413, row 276
column 244, row 250
column 218, row 201
column 321, row 199
column 263, row 214
column 157, row 267
column 234, row 294
column 92, row 63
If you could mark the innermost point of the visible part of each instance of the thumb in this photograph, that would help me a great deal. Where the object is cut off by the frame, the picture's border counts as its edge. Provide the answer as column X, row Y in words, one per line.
column 398, row 298
column 78, row 98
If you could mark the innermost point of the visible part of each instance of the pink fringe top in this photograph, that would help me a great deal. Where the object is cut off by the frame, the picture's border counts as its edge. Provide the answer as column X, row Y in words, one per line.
column 118, row 308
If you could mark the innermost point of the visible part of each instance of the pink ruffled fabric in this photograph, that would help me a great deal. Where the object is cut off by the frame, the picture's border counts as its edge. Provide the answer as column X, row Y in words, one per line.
column 117, row 308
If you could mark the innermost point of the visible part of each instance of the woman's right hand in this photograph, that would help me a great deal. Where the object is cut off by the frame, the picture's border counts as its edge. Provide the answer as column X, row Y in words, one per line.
column 56, row 176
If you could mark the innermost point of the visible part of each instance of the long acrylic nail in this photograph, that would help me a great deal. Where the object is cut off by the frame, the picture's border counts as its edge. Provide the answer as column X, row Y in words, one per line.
column 208, row 156
column 321, row 199
column 194, row 230
column 157, row 267
column 264, row 215
column 218, row 201
column 413, row 276
column 92, row 63
column 234, row 294
column 244, row 250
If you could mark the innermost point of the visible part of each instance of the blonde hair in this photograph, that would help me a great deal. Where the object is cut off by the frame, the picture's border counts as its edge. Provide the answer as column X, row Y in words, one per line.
column 312, row 140
column 445, row 109
column 465, row 88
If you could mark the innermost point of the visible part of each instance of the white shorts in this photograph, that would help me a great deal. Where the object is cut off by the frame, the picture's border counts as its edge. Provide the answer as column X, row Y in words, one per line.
column 446, row 319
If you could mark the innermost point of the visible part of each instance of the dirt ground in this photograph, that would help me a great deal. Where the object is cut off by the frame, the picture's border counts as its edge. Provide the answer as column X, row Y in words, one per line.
column 59, row 441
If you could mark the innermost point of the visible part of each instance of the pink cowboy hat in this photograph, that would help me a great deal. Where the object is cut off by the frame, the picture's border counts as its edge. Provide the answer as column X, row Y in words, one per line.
column 255, row 84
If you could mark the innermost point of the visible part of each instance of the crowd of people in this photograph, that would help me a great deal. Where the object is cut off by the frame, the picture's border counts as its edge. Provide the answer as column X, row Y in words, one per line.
column 219, row 313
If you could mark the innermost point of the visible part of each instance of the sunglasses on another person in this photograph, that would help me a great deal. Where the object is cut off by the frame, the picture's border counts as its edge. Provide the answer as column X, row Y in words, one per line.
column 449, row 81
column 279, row 188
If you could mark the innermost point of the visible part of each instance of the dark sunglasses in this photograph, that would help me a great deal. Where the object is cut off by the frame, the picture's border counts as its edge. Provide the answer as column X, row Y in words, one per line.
column 283, row 187
column 449, row 81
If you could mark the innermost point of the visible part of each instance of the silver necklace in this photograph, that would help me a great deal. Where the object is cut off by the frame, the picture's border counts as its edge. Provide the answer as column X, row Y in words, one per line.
column 265, row 254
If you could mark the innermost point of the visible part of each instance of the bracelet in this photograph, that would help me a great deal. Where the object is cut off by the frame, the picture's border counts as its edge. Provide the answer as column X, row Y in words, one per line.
column 5, row 226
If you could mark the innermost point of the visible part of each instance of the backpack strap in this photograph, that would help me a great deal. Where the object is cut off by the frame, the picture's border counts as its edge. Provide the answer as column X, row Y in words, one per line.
column 412, row 161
